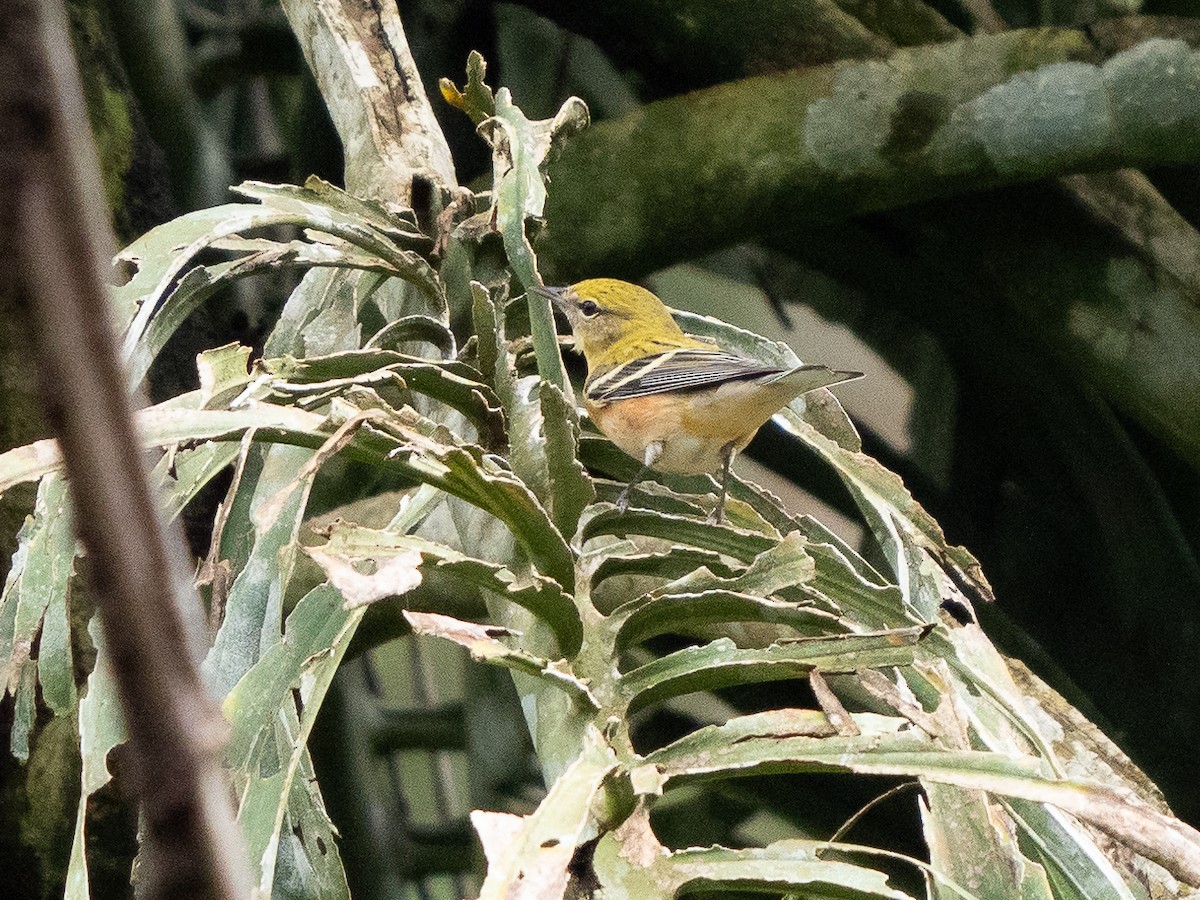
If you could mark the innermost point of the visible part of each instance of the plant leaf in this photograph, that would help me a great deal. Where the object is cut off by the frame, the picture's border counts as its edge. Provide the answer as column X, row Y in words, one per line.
column 724, row 539
column 253, row 614
column 453, row 383
column 101, row 728
column 267, row 749
column 721, row 664
column 482, row 641
column 350, row 544
column 528, row 858
column 521, row 149
column 35, row 603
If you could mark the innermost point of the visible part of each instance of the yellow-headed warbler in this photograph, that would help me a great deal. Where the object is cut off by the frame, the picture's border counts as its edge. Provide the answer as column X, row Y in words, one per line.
column 676, row 402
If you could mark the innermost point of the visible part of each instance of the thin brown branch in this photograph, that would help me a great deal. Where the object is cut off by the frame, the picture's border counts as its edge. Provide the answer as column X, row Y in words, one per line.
column 61, row 240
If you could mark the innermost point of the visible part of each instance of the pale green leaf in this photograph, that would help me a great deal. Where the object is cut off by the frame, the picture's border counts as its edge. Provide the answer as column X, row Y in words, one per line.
column 414, row 328
column 253, row 613
column 454, row 383
column 721, row 664
column 530, row 856
column 690, row 613
column 1075, row 865
column 569, row 487
column 543, row 597
column 101, row 728
column 397, row 222
column 521, row 149
column 674, row 562
column 973, row 842
column 484, row 644
column 267, row 748
column 34, row 607
column 724, row 539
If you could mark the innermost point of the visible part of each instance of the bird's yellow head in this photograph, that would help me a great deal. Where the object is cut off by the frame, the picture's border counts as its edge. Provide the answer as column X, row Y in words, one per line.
column 615, row 322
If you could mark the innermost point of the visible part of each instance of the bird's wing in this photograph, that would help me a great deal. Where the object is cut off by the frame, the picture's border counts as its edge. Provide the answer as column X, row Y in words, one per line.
column 675, row 370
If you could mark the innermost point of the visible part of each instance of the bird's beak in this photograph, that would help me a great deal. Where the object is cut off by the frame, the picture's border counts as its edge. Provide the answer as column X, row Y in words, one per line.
column 557, row 296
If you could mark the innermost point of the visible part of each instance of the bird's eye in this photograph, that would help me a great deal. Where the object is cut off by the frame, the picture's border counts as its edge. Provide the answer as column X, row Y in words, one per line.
column 589, row 308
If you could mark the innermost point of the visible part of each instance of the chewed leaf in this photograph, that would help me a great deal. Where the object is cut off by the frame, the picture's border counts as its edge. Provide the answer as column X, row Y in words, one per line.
column 393, row 576
column 351, row 233
column 684, row 613
column 734, row 542
column 101, row 728
column 484, row 644
column 465, row 634
column 397, row 222
column 254, row 609
column 521, row 149
column 267, row 751
column 528, row 858
column 674, row 562
column 456, row 384
column 570, row 488
column 631, row 862
column 911, row 538
column 414, row 328
column 972, row 840
column 223, row 373
column 785, row 565
column 538, row 594
column 34, row 610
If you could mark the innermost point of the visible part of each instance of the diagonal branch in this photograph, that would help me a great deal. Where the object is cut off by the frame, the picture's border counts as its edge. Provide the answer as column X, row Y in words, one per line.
column 61, row 239
column 689, row 174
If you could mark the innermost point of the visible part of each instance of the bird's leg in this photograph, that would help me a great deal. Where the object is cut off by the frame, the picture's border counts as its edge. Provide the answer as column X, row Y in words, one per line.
column 728, row 452
column 653, row 452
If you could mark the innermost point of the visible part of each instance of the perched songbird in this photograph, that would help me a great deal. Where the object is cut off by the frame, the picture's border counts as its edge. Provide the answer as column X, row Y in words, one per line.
column 676, row 402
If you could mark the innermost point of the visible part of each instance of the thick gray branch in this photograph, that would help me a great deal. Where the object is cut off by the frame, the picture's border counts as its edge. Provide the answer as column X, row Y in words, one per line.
column 360, row 58
column 692, row 173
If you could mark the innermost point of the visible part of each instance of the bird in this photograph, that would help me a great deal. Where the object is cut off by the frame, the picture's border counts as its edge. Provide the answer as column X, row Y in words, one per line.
column 676, row 402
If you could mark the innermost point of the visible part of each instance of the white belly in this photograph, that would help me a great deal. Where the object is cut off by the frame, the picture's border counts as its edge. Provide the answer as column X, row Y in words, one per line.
column 690, row 456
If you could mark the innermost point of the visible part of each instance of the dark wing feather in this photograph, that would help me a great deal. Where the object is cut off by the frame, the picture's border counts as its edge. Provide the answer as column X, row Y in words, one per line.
column 675, row 370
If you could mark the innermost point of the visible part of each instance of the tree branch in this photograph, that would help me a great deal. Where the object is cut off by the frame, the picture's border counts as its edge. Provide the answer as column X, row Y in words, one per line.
column 57, row 222
column 361, row 61
column 702, row 42
column 687, row 175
